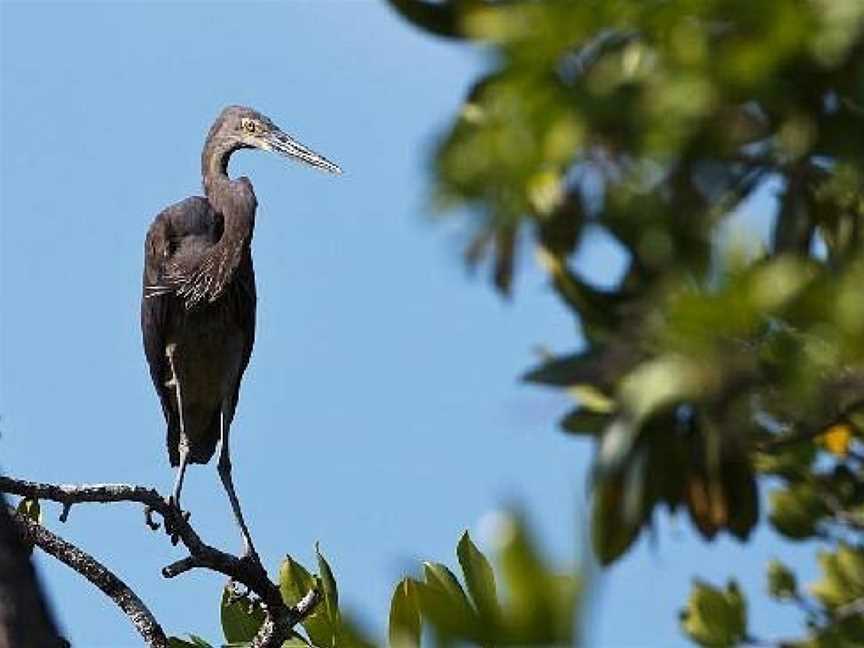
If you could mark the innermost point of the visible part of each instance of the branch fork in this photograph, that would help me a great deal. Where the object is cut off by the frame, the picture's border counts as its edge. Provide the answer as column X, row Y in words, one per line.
column 279, row 620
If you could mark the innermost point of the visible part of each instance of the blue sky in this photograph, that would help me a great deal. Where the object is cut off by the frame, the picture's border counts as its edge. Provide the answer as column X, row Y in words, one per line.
column 381, row 413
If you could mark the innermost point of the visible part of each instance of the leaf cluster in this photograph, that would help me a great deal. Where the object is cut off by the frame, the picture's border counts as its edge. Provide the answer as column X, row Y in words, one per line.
column 709, row 361
column 538, row 608
column 326, row 627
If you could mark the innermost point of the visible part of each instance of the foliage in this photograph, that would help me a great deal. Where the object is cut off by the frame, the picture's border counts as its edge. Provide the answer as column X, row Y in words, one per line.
column 707, row 363
column 708, row 367
column 715, row 618
column 242, row 614
column 539, row 608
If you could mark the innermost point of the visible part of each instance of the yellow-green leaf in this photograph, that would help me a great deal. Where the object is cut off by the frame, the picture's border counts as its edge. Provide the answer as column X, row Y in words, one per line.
column 404, row 629
column 479, row 579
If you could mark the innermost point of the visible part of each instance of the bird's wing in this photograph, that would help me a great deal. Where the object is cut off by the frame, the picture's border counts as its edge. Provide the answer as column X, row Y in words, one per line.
column 189, row 226
column 192, row 217
column 154, row 318
column 246, row 281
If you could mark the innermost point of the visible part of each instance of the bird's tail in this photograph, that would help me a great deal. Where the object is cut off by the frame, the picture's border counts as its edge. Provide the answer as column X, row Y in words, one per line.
column 202, row 442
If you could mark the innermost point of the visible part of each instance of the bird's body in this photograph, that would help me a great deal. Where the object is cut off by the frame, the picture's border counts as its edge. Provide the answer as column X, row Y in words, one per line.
column 211, row 343
column 198, row 303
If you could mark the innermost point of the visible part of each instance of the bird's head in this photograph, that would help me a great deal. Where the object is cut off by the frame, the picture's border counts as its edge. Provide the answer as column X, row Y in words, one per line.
column 242, row 127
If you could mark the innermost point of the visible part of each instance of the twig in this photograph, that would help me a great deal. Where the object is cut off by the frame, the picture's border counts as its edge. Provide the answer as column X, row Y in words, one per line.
column 145, row 623
column 807, row 434
column 279, row 618
column 793, row 438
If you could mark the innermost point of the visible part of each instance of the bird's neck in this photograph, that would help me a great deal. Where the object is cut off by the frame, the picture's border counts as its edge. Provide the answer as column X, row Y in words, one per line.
column 233, row 199
column 214, row 166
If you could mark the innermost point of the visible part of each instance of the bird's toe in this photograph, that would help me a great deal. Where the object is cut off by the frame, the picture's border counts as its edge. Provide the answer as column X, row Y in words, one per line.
column 251, row 556
column 148, row 518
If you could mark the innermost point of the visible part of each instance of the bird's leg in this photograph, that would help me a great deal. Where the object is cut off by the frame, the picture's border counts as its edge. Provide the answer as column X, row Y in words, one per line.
column 183, row 446
column 174, row 499
column 181, row 470
column 227, row 482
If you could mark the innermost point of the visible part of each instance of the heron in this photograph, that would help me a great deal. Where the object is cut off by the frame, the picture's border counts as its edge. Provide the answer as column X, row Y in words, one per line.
column 198, row 302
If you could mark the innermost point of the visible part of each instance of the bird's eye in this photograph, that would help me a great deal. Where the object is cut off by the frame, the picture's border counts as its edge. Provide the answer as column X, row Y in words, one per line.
column 249, row 126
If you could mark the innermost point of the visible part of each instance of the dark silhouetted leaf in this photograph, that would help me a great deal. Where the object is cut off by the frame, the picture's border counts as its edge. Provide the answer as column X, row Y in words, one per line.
column 582, row 422
column 782, row 583
column 439, row 18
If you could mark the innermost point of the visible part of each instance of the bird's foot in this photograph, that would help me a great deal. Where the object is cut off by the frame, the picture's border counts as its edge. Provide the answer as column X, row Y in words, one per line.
column 251, row 556
column 175, row 517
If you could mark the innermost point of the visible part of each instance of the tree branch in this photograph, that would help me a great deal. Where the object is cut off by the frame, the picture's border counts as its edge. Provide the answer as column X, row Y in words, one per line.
column 280, row 618
column 145, row 623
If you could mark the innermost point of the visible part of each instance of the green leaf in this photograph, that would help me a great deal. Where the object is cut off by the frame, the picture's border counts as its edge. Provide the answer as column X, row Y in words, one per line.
column 737, row 609
column 176, row 642
column 294, row 583
column 715, row 618
column 612, row 533
column 782, row 583
column 541, row 601
column 786, row 461
column 241, row 618
column 30, row 508
column 350, row 635
column 443, row 599
column 583, row 422
column 193, row 642
column 295, row 643
column 480, row 580
column 567, row 370
column 436, row 18
column 448, row 615
column 843, row 576
column 796, row 511
column 199, row 642
column 440, row 577
column 328, row 585
column 404, row 630
column 660, row 382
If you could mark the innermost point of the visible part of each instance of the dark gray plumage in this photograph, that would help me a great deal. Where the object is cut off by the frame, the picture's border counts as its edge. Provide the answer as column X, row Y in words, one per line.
column 198, row 304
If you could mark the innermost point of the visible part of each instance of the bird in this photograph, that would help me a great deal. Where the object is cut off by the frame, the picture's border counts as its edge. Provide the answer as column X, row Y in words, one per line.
column 198, row 298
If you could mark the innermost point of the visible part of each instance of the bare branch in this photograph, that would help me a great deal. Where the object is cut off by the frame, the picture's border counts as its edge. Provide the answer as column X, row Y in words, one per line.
column 181, row 567
column 280, row 619
column 95, row 572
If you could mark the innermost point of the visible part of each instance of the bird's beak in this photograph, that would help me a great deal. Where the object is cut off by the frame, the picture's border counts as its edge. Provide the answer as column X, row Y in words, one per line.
column 283, row 144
